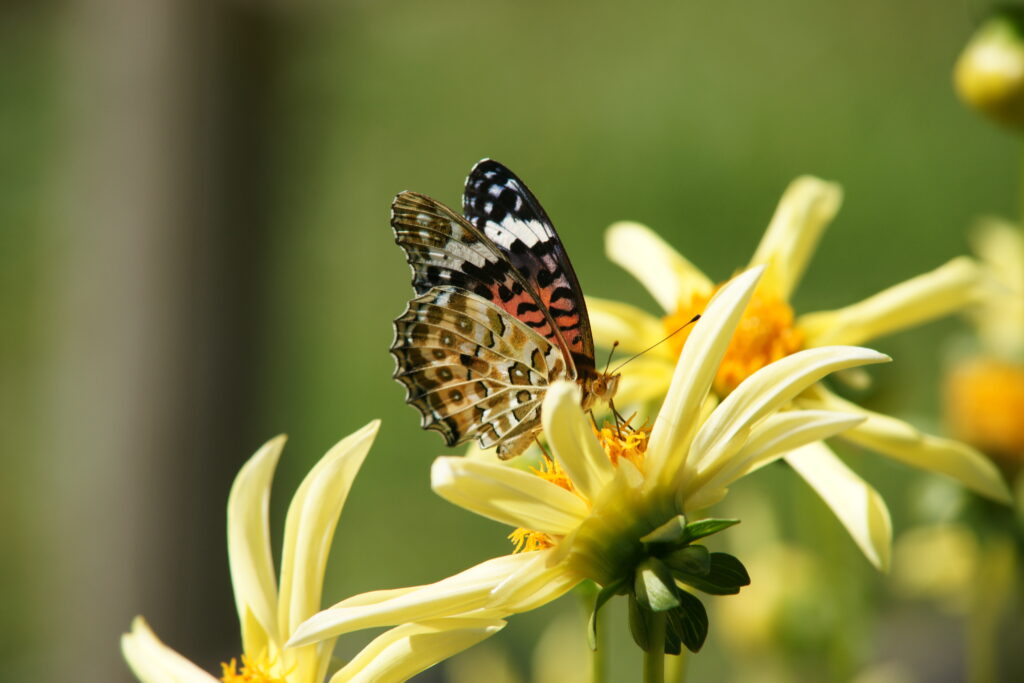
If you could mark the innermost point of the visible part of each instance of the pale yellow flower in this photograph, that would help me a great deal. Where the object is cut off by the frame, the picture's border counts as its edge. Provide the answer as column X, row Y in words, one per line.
column 985, row 392
column 771, row 330
column 269, row 611
column 593, row 504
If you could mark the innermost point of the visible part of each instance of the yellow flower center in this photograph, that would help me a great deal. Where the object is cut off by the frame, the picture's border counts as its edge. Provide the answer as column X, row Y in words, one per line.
column 984, row 404
column 765, row 334
column 619, row 441
column 254, row 670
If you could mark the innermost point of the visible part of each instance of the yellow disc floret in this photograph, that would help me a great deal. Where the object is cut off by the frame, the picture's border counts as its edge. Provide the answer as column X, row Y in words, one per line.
column 253, row 670
column 765, row 334
column 984, row 405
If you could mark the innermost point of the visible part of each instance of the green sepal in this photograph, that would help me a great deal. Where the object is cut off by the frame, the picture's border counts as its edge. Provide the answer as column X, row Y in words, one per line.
column 692, row 559
column 672, row 532
column 639, row 624
column 655, row 586
column 725, row 577
column 688, row 624
column 606, row 594
column 707, row 527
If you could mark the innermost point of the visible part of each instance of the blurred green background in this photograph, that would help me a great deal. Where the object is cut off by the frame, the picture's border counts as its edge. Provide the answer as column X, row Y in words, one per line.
column 195, row 256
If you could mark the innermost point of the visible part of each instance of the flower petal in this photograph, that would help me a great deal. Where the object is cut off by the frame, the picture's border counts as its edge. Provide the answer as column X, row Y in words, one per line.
column 766, row 390
column 465, row 593
column 771, row 438
column 853, row 501
column 1000, row 317
column 901, row 441
column 249, row 555
column 507, row 495
column 406, row 650
column 694, row 372
column 807, row 207
column 945, row 290
column 635, row 329
column 571, row 438
column 309, row 530
column 153, row 662
column 661, row 269
column 544, row 578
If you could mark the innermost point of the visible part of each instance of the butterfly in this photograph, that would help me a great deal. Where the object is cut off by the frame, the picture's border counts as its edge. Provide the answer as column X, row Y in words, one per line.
column 498, row 314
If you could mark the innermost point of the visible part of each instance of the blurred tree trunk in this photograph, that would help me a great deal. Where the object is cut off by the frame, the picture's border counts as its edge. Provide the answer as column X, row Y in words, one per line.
column 150, row 409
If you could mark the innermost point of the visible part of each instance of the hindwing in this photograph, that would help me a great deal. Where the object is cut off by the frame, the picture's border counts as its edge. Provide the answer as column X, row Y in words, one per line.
column 473, row 370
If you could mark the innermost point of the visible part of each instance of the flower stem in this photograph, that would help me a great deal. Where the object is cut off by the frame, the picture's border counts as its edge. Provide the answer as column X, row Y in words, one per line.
column 654, row 659
column 675, row 668
column 588, row 591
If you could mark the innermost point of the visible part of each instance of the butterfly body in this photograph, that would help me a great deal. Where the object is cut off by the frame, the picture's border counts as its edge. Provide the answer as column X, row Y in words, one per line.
column 497, row 317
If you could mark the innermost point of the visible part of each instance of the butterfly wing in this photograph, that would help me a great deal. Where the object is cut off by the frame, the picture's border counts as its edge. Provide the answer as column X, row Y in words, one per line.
column 500, row 206
column 472, row 369
column 444, row 249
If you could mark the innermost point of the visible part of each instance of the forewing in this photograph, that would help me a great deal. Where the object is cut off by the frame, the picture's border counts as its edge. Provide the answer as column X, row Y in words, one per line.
column 444, row 249
column 473, row 370
column 500, row 205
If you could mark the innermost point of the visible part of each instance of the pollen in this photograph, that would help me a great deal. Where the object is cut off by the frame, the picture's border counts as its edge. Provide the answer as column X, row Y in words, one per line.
column 984, row 404
column 764, row 335
column 623, row 441
column 253, row 670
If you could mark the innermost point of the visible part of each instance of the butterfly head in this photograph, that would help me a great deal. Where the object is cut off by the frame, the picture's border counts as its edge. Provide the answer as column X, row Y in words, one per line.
column 600, row 385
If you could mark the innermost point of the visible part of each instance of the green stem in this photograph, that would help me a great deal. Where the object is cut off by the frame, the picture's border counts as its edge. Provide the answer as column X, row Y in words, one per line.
column 654, row 660
column 588, row 591
column 993, row 590
column 675, row 667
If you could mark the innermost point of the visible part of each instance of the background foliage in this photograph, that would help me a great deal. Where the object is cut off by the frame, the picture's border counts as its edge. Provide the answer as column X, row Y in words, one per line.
column 195, row 256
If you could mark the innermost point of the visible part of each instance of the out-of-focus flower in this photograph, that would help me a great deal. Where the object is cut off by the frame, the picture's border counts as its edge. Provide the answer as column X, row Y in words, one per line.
column 770, row 330
column 989, row 74
column 614, row 510
column 985, row 392
column 269, row 611
column 938, row 562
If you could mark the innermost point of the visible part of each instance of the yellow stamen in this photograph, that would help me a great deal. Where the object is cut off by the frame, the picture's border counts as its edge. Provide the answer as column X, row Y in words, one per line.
column 623, row 441
column 765, row 334
column 550, row 470
column 254, row 670
column 984, row 404
column 527, row 540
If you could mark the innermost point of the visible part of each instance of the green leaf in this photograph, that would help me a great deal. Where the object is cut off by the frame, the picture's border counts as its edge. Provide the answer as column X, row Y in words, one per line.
column 606, row 594
column 655, row 586
column 707, row 527
column 693, row 559
column 688, row 623
column 671, row 532
column 725, row 577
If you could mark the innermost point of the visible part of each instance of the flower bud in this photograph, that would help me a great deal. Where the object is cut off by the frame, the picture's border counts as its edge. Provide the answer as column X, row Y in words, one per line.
column 989, row 74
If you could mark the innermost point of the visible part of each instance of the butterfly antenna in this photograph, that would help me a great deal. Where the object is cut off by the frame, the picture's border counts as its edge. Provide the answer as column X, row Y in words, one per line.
column 606, row 365
column 677, row 331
